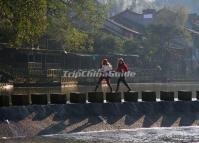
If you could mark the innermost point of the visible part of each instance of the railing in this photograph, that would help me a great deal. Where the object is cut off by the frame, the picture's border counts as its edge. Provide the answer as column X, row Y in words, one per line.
column 68, row 81
column 34, row 68
column 53, row 66
column 54, row 73
column 3, row 85
column 34, row 65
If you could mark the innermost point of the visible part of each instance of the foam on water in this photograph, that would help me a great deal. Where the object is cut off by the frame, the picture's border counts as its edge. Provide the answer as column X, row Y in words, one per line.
column 164, row 134
column 160, row 135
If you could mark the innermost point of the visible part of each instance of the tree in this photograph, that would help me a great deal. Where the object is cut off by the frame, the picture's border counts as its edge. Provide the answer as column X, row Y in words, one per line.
column 168, row 30
column 132, row 46
column 107, row 44
column 70, row 22
column 74, row 22
column 191, row 5
column 22, row 21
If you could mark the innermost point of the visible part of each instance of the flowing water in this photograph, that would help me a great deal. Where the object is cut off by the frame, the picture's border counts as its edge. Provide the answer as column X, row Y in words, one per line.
column 144, row 135
column 183, row 134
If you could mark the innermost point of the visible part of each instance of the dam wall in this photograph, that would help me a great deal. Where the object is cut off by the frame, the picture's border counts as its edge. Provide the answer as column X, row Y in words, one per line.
column 89, row 112
column 96, row 97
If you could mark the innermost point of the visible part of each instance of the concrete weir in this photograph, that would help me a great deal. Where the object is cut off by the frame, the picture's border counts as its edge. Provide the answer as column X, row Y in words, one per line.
column 77, row 97
column 39, row 120
column 4, row 100
column 96, row 97
column 149, row 96
column 131, row 96
column 20, row 99
column 167, row 96
column 57, row 98
column 39, row 99
column 113, row 97
column 184, row 95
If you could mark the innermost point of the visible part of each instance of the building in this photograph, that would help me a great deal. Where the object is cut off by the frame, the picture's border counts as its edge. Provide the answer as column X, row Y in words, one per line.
column 133, row 22
column 181, row 52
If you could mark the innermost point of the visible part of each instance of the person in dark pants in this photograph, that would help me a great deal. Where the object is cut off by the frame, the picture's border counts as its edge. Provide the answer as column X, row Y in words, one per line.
column 105, row 70
column 122, row 68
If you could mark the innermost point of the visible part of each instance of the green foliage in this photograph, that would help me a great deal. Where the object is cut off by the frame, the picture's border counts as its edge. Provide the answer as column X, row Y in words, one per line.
column 22, row 21
column 132, row 46
column 172, row 17
column 165, row 32
column 106, row 44
column 75, row 40
column 70, row 22
column 74, row 22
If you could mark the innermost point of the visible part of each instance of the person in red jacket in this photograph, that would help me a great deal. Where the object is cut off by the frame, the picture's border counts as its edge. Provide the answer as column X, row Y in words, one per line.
column 122, row 68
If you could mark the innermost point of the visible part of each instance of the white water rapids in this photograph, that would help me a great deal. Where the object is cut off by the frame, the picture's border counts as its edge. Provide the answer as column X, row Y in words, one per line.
column 142, row 135
column 160, row 135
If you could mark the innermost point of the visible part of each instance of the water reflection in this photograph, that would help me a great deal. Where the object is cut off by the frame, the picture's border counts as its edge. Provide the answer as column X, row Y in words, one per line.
column 49, row 90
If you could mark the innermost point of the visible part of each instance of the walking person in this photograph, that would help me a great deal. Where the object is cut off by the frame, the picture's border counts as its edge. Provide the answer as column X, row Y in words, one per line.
column 105, row 70
column 122, row 68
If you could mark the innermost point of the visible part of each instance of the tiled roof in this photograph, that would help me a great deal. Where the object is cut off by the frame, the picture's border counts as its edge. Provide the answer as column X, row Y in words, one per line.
column 123, row 27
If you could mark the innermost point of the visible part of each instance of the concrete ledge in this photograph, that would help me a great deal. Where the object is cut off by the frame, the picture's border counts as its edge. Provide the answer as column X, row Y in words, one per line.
column 131, row 96
column 149, row 96
column 4, row 100
column 39, row 99
column 96, row 97
column 20, row 99
column 185, row 95
column 197, row 95
column 77, row 97
column 58, row 98
column 113, row 97
column 167, row 95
